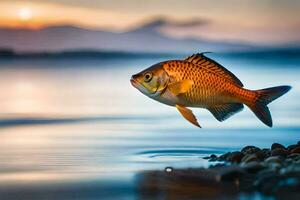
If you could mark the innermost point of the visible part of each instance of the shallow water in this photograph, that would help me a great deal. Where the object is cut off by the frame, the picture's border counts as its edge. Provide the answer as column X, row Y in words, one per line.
column 78, row 129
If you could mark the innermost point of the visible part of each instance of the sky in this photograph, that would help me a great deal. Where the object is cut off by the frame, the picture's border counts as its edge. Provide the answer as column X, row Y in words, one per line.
column 257, row 21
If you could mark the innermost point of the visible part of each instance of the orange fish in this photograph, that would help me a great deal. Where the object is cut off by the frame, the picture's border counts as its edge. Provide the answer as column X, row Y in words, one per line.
column 198, row 81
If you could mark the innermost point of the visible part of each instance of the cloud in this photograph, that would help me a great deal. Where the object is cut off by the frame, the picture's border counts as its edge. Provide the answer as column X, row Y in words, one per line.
column 158, row 23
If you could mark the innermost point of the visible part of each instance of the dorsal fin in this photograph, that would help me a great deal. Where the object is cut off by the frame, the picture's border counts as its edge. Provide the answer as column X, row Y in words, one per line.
column 211, row 65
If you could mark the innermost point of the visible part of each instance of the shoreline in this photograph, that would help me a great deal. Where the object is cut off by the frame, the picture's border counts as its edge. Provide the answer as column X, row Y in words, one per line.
column 270, row 172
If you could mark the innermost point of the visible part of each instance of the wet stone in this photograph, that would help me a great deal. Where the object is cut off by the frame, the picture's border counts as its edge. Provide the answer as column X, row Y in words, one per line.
column 267, row 152
column 249, row 158
column 250, row 150
column 290, row 147
column 253, row 167
column 296, row 150
column 294, row 156
column 273, row 159
column 275, row 166
column 224, row 157
column 277, row 145
column 213, row 156
column 279, row 152
column 261, row 154
column 235, row 157
column 267, row 182
column 258, row 170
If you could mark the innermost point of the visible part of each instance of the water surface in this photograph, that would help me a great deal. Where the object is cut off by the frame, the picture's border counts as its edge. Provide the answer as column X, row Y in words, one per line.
column 74, row 128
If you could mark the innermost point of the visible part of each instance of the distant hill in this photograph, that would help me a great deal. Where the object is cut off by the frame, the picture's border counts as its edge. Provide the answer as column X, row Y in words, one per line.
column 82, row 54
column 6, row 53
column 145, row 38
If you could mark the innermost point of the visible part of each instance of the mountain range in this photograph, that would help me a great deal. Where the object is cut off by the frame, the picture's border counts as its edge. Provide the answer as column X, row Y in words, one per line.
column 144, row 38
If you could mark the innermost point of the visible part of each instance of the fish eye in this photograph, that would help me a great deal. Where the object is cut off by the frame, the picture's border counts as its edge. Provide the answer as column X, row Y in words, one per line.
column 148, row 77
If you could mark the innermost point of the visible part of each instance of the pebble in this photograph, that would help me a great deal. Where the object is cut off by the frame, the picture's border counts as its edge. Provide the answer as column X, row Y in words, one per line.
column 290, row 147
column 224, row 156
column 275, row 166
column 249, row 158
column 279, row 152
column 277, row 145
column 213, row 156
column 261, row 154
column 296, row 150
column 250, row 150
column 253, row 167
column 268, row 170
column 273, row 159
column 268, row 182
column 235, row 157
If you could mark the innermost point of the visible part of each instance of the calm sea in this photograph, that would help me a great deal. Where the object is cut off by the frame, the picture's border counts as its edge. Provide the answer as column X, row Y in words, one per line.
column 77, row 129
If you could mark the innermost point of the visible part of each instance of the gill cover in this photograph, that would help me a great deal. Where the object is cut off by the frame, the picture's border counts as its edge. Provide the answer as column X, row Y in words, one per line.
column 152, row 81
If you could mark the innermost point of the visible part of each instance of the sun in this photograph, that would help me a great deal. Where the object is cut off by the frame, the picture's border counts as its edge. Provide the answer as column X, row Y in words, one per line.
column 25, row 14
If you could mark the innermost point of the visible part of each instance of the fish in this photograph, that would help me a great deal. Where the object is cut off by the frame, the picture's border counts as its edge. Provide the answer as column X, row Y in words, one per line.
column 200, row 82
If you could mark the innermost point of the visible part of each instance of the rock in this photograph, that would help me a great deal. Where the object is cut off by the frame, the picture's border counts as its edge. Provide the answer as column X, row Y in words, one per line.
column 267, row 182
column 235, row 157
column 213, row 156
column 290, row 147
column 288, row 161
column 231, row 173
column 288, row 189
column 253, row 167
column 279, row 152
column 277, row 145
column 250, row 150
column 275, row 166
column 224, row 157
column 267, row 152
column 295, row 150
column 261, row 155
column 298, row 142
column 249, row 158
column 273, row 159
column 294, row 156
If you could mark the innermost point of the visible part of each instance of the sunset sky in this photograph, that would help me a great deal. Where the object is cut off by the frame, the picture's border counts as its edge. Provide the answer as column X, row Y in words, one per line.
column 266, row 21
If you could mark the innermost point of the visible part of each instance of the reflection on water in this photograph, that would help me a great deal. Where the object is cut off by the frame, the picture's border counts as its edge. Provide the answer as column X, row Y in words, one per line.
column 79, row 129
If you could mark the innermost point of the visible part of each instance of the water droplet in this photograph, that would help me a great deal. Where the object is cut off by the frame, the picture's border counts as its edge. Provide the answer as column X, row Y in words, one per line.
column 168, row 169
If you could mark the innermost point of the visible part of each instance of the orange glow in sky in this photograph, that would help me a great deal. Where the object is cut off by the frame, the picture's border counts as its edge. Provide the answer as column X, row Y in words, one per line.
column 245, row 20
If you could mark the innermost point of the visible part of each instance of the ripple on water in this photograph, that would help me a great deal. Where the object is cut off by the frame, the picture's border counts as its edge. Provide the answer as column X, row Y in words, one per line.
column 174, row 155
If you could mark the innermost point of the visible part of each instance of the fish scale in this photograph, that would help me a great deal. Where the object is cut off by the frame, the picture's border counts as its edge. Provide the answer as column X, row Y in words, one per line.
column 207, row 86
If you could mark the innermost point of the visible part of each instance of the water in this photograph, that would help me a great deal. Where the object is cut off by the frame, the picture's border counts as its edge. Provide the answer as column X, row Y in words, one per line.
column 77, row 129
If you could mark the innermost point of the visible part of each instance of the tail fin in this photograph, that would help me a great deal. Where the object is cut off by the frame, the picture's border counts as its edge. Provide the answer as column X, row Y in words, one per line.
column 264, row 97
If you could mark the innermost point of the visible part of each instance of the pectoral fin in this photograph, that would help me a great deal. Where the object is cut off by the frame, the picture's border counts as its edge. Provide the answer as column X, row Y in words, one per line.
column 180, row 87
column 188, row 115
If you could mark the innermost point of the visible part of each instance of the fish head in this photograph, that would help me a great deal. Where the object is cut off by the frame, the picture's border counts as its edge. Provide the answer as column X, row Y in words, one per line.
column 152, row 81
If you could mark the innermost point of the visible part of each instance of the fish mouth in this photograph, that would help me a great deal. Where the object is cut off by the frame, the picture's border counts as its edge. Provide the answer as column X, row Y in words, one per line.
column 133, row 82
column 138, row 85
